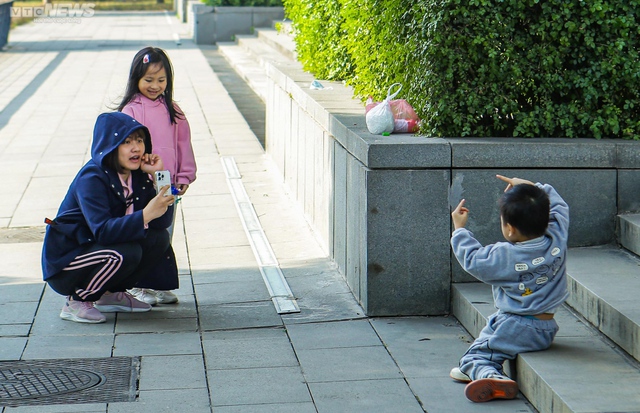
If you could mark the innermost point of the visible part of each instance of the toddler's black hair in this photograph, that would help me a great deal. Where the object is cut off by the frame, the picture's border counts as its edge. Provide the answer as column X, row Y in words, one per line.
column 526, row 208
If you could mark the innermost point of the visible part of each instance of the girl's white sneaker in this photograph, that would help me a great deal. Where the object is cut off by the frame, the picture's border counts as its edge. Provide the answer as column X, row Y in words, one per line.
column 165, row 297
column 145, row 295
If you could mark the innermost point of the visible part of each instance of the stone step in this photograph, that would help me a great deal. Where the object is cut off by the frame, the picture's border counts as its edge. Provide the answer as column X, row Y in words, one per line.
column 246, row 66
column 582, row 372
column 629, row 232
column 282, row 41
column 603, row 283
column 262, row 50
column 249, row 55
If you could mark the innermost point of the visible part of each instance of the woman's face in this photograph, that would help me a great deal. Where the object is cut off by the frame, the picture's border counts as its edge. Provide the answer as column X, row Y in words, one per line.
column 154, row 81
column 131, row 150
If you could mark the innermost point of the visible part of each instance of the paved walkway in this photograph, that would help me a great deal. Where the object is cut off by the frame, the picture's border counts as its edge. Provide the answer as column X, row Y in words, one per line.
column 223, row 348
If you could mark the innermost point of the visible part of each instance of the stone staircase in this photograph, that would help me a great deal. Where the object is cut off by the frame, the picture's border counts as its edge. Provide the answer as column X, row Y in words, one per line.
column 593, row 365
column 249, row 54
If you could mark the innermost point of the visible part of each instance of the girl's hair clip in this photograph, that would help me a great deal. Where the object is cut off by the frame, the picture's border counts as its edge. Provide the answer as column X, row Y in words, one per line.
column 145, row 59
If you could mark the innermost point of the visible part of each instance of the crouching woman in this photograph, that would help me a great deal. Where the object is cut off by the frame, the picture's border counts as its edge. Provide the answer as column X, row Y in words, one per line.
column 110, row 230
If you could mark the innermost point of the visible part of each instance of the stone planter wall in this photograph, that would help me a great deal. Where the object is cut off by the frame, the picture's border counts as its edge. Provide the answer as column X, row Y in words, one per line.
column 210, row 25
column 381, row 204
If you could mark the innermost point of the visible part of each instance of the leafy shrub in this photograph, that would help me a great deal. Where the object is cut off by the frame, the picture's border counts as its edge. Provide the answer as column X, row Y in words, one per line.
column 529, row 68
column 255, row 3
column 318, row 28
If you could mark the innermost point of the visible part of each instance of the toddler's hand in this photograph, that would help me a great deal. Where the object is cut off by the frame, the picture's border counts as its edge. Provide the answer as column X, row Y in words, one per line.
column 511, row 182
column 460, row 215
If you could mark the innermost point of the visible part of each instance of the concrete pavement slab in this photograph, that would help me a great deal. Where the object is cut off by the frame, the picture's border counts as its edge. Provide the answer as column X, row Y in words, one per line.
column 167, row 401
column 238, row 315
column 88, row 345
column 247, row 349
column 157, row 344
column 220, row 275
column 172, row 372
column 269, row 408
column 358, row 333
column 346, row 364
column 258, row 386
column 232, row 291
column 371, row 396
column 11, row 348
column 60, row 408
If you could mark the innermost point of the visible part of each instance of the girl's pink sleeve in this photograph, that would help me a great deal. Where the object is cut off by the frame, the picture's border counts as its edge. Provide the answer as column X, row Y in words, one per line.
column 186, row 159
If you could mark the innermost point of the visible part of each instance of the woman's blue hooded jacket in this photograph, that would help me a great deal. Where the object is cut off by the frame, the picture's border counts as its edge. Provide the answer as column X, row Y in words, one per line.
column 93, row 211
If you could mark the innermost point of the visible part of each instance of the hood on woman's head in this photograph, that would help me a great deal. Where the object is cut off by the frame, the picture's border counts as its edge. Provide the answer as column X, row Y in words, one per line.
column 111, row 129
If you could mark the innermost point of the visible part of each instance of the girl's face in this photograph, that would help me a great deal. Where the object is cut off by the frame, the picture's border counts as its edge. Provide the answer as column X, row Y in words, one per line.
column 154, row 81
column 130, row 151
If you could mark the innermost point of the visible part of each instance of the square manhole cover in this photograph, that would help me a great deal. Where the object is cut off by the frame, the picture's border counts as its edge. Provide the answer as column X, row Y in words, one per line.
column 68, row 381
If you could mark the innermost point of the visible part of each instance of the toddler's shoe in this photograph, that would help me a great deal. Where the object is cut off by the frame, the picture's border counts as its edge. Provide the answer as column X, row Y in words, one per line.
column 494, row 387
column 81, row 312
column 145, row 295
column 458, row 375
column 120, row 302
column 165, row 297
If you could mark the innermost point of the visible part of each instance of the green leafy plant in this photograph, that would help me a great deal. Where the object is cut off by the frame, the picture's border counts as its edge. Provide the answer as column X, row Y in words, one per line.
column 525, row 68
column 254, row 3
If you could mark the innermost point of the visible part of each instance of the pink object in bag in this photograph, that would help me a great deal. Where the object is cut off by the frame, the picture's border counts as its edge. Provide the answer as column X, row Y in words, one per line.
column 405, row 118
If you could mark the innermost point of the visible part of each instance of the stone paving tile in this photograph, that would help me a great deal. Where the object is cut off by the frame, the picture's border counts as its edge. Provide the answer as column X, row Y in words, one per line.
column 238, row 315
column 423, row 346
column 157, row 344
column 246, row 349
column 169, row 372
column 69, row 346
column 333, row 335
column 166, row 401
column 232, row 291
column 221, row 275
column 371, row 396
column 11, row 348
column 59, row 408
column 257, row 386
column 269, row 408
column 349, row 363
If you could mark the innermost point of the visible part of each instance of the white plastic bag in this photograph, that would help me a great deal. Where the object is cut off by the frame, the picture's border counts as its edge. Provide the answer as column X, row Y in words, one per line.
column 380, row 118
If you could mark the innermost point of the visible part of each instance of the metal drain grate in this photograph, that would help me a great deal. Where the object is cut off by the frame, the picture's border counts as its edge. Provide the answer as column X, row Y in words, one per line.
column 21, row 235
column 68, row 381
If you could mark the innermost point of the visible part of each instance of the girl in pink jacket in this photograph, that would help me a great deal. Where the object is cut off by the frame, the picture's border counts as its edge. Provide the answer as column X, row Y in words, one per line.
column 149, row 99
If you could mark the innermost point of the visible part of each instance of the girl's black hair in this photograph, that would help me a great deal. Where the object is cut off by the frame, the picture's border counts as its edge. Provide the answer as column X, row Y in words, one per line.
column 526, row 207
column 141, row 62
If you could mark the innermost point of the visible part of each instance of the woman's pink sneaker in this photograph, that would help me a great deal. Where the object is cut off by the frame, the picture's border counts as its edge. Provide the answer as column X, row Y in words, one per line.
column 81, row 312
column 120, row 302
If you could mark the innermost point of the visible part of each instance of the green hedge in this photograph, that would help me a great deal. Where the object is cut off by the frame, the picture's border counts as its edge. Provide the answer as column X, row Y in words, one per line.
column 556, row 68
column 256, row 3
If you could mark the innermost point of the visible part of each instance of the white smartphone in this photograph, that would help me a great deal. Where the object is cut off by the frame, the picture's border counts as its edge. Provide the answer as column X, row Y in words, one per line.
column 163, row 178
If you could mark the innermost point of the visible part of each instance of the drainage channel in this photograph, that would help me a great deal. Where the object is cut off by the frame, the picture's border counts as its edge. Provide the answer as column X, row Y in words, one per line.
column 281, row 294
